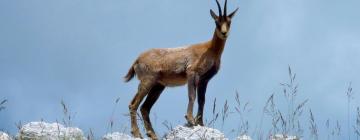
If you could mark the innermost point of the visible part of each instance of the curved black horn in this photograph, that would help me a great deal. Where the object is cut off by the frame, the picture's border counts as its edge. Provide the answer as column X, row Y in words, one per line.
column 219, row 7
column 225, row 8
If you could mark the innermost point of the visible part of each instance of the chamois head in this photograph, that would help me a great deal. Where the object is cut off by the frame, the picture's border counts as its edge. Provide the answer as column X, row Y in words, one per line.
column 222, row 21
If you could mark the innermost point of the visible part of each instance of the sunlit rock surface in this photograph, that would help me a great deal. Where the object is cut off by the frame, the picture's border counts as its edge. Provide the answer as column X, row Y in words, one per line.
column 195, row 133
column 49, row 131
column 4, row 136
column 243, row 137
column 119, row 136
column 283, row 137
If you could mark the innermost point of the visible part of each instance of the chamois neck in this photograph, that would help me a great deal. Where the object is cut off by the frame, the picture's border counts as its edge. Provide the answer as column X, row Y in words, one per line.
column 217, row 45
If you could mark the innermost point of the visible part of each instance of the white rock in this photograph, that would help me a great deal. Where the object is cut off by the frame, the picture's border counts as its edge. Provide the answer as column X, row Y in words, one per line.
column 283, row 137
column 195, row 133
column 4, row 136
column 47, row 131
column 243, row 137
column 119, row 136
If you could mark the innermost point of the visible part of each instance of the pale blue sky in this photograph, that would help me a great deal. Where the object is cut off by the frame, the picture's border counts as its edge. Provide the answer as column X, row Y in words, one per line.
column 79, row 50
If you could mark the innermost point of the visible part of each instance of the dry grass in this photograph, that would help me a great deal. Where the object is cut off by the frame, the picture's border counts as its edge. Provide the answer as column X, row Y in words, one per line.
column 2, row 104
column 357, row 124
column 112, row 116
column 168, row 125
column 242, row 109
column 67, row 115
column 283, row 120
column 90, row 135
column 224, row 114
column 313, row 127
column 215, row 115
column 350, row 96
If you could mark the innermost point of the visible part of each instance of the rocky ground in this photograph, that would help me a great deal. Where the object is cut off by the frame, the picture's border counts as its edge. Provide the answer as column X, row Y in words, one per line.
column 49, row 131
column 56, row 131
column 195, row 133
column 119, row 136
column 4, row 136
column 283, row 137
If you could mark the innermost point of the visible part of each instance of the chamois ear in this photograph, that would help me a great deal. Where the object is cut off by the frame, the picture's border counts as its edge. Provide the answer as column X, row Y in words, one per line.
column 213, row 15
column 231, row 15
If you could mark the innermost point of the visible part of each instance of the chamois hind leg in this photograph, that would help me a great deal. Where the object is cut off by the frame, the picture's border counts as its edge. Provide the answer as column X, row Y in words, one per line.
column 146, row 107
column 143, row 89
column 201, row 91
column 192, row 96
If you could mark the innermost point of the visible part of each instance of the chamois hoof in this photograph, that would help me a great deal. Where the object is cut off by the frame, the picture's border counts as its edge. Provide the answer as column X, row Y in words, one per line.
column 136, row 134
column 189, row 125
column 190, row 121
column 151, row 135
column 198, row 122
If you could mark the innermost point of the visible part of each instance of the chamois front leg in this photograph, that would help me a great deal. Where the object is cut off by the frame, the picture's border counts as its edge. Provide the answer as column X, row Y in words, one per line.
column 192, row 80
column 201, row 91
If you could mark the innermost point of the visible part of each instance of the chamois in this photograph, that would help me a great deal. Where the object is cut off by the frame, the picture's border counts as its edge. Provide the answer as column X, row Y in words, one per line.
column 193, row 65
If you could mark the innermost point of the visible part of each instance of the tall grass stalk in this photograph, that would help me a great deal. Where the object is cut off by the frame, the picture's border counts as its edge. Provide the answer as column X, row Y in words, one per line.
column 349, row 95
column 90, row 135
column 224, row 114
column 67, row 115
column 337, row 130
column 271, row 110
column 215, row 115
column 327, row 124
column 313, row 127
column 2, row 104
column 18, row 125
column 357, row 124
column 168, row 125
column 241, row 110
column 112, row 118
column 290, row 92
column 259, row 130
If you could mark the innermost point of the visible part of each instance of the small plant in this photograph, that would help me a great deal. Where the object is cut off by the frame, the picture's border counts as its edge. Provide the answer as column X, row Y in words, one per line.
column 283, row 123
column 224, row 114
column 18, row 125
column 112, row 119
column 90, row 136
column 337, row 130
column 349, row 95
column 271, row 110
column 327, row 124
column 290, row 91
column 357, row 124
column 241, row 110
column 299, row 130
column 67, row 119
column 313, row 127
column 58, row 129
column 288, row 122
column 259, row 131
column 168, row 125
column 215, row 115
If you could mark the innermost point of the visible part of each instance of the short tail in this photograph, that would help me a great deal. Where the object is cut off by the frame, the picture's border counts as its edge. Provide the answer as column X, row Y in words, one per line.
column 130, row 74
